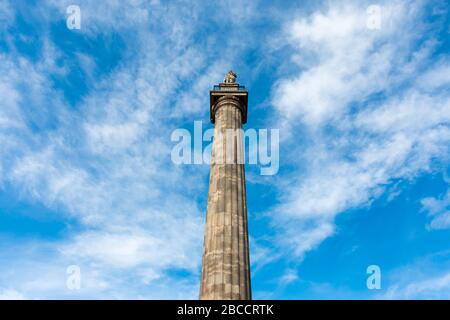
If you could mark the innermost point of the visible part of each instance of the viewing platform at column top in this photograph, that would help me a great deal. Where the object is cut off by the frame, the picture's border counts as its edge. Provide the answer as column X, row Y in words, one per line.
column 229, row 88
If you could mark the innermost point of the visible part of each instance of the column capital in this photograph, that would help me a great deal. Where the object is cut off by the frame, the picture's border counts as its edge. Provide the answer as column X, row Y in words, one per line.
column 232, row 92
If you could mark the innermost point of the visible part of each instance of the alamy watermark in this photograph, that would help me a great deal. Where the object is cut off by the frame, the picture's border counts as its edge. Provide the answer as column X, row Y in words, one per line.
column 374, row 280
column 373, row 17
column 73, row 281
column 232, row 146
column 73, row 21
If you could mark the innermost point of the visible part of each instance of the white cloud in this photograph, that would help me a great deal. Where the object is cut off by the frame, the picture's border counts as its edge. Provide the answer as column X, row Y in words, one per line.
column 342, row 60
column 433, row 288
column 6, row 14
column 369, row 112
column 10, row 294
column 438, row 210
column 288, row 277
column 426, row 278
column 261, row 254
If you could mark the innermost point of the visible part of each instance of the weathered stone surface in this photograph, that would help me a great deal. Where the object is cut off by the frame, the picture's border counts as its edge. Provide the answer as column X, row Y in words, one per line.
column 225, row 264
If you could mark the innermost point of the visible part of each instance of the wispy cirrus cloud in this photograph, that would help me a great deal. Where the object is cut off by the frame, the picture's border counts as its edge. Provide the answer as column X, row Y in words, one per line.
column 432, row 288
column 426, row 278
column 373, row 108
column 438, row 209
column 105, row 164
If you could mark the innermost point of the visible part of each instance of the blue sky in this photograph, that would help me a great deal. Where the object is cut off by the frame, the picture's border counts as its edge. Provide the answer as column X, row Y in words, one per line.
column 86, row 116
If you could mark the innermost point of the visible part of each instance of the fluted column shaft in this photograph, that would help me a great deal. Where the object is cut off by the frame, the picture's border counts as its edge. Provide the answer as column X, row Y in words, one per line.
column 225, row 264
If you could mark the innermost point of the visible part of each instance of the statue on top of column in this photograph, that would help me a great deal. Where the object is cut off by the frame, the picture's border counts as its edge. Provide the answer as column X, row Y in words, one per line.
column 230, row 77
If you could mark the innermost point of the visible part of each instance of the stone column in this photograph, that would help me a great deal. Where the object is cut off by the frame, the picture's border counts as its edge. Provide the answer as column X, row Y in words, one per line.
column 225, row 264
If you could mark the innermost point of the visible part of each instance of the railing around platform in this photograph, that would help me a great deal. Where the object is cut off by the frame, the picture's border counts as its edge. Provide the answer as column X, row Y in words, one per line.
column 230, row 88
